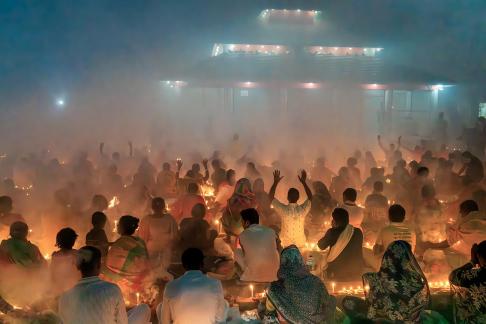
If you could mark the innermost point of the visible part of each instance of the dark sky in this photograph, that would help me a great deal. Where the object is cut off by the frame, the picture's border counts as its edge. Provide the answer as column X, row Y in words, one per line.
column 46, row 44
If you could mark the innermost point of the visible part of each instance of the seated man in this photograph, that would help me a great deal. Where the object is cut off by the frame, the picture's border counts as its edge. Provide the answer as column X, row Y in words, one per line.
column 196, row 232
column 375, row 212
column 469, row 228
column 354, row 211
column 471, row 279
column 18, row 250
column 345, row 243
column 160, row 233
column 258, row 256
column 96, row 301
column 396, row 230
column 194, row 297
column 182, row 207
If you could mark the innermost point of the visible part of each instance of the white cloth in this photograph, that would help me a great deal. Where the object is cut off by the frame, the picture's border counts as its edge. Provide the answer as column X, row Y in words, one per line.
column 95, row 301
column 293, row 222
column 356, row 213
column 193, row 298
column 341, row 243
column 259, row 257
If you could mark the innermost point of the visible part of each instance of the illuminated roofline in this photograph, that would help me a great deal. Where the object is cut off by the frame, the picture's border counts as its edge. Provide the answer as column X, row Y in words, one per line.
column 250, row 49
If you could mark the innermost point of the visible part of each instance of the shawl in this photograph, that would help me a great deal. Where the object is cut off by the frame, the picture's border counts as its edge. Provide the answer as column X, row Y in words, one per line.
column 297, row 295
column 399, row 290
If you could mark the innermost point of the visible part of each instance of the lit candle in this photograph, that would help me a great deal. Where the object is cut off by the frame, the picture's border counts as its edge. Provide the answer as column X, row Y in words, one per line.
column 138, row 298
column 251, row 289
column 333, row 285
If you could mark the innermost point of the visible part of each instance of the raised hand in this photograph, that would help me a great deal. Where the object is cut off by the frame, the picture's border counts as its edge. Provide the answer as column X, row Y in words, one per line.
column 205, row 163
column 276, row 176
column 303, row 176
column 179, row 163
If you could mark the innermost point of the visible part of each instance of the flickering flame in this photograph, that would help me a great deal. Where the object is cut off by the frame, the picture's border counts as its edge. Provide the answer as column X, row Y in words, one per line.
column 207, row 190
column 114, row 202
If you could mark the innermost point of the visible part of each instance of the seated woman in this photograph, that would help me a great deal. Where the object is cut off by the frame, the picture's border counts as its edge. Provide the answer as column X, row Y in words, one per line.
column 63, row 263
column 298, row 296
column 397, row 292
column 469, row 284
column 317, row 221
column 344, row 262
column 127, row 262
column 242, row 198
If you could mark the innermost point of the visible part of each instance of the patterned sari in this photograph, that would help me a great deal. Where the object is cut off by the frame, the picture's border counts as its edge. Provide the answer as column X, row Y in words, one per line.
column 242, row 198
column 399, row 291
column 127, row 263
column 297, row 295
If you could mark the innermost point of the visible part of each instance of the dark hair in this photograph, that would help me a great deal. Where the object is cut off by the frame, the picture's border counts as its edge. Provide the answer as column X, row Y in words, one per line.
column 396, row 213
column 468, row 206
column 128, row 224
column 350, row 194
column 250, row 215
column 428, row 191
column 99, row 201
column 198, row 211
column 340, row 217
column 66, row 238
column 192, row 188
column 482, row 249
column 98, row 219
column 192, row 259
column 230, row 173
column 158, row 204
column 88, row 259
column 19, row 230
column 423, row 171
column 293, row 195
column 351, row 161
column 378, row 186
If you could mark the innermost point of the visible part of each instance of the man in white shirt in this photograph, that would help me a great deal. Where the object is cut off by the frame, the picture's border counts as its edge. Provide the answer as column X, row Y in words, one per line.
column 355, row 212
column 96, row 301
column 292, row 215
column 194, row 297
column 258, row 257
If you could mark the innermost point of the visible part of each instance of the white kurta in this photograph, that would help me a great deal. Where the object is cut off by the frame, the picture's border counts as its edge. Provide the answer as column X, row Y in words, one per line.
column 293, row 222
column 193, row 298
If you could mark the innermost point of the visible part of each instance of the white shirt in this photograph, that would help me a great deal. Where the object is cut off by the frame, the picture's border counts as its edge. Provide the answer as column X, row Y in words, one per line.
column 293, row 221
column 93, row 301
column 193, row 298
column 261, row 256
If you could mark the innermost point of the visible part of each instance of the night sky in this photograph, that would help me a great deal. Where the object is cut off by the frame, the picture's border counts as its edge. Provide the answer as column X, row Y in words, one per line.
column 46, row 44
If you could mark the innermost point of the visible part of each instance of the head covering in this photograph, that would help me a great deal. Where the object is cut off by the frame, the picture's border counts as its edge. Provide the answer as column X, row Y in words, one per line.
column 242, row 198
column 399, row 291
column 298, row 295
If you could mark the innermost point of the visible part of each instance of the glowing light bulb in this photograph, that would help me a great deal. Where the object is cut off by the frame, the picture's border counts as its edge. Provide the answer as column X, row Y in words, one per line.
column 60, row 102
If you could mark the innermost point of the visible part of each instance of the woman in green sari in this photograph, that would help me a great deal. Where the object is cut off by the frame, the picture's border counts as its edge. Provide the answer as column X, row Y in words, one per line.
column 127, row 262
column 298, row 296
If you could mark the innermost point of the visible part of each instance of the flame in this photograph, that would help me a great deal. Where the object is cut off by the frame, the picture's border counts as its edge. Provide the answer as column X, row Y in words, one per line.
column 47, row 256
column 207, row 190
column 114, row 202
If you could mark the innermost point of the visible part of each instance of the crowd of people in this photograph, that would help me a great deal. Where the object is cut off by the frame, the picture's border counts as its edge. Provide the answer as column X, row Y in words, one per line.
column 165, row 244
